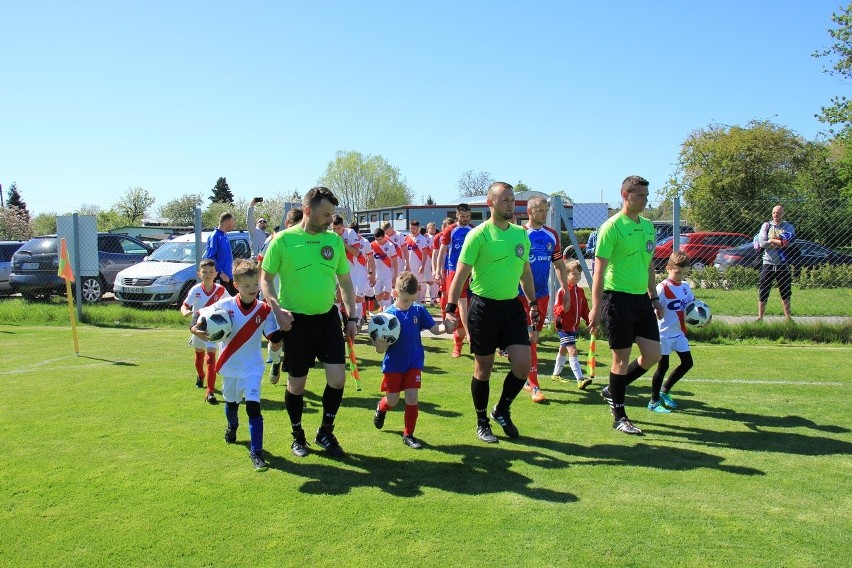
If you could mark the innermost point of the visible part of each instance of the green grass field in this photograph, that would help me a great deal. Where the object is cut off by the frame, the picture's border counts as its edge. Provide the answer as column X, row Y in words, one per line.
column 114, row 459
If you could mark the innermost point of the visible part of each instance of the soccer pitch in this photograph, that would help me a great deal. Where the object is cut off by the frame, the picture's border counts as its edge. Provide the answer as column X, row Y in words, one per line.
column 114, row 459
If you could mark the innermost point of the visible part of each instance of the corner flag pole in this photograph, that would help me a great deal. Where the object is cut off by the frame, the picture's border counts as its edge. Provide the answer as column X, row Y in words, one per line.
column 65, row 271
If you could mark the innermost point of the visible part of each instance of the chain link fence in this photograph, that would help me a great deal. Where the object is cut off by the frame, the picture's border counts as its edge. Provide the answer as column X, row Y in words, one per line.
column 720, row 241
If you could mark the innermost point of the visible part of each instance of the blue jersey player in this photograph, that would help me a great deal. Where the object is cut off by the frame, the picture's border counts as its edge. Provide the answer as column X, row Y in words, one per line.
column 545, row 250
column 403, row 362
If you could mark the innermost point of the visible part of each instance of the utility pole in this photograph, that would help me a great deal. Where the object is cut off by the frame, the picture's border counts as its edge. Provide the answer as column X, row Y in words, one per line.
column 2, row 202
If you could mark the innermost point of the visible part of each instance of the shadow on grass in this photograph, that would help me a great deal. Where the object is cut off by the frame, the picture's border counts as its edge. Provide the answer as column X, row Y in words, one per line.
column 117, row 363
column 642, row 455
column 756, row 421
column 758, row 440
column 482, row 470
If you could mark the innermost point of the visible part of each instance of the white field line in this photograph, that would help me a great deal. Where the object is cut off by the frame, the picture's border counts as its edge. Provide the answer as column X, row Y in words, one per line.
column 764, row 382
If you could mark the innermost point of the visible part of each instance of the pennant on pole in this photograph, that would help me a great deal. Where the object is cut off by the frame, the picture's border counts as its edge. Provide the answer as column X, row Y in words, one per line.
column 65, row 270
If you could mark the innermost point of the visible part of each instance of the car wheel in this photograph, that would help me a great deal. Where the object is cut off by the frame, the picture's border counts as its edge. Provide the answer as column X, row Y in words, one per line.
column 698, row 265
column 29, row 296
column 92, row 289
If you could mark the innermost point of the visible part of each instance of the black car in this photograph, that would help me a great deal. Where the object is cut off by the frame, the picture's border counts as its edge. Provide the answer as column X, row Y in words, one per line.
column 801, row 254
column 35, row 266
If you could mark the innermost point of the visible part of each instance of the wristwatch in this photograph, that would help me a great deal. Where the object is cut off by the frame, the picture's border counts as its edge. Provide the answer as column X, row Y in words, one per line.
column 354, row 320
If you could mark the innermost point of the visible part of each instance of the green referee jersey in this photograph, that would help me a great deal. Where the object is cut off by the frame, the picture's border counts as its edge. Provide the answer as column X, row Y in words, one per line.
column 629, row 248
column 497, row 258
column 308, row 266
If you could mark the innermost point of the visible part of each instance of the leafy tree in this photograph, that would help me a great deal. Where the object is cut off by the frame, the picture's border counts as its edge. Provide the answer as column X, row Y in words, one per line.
column 134, row 204
column 521, row 186
column 221, row 192
column 44, row 223
column 564, row 195
column 364, row 182
column 294, row 197
column 822, row 209
column 14, row 224
column 429, row 200
column 839, row 113
column 15, row 201
column 210, row 217
column 472, row 183
column 181, row 210
column 730, row 168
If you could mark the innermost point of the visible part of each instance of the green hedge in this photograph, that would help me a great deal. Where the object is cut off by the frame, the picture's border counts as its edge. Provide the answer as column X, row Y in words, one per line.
column 826, row 276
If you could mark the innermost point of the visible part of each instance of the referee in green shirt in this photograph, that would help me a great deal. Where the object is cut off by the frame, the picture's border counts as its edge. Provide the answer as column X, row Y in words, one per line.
column 624, row 296
column 496, row 254
column 310, row 260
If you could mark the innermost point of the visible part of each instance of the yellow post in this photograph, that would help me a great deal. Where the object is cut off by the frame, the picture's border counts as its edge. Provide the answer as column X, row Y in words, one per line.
column 67, row 273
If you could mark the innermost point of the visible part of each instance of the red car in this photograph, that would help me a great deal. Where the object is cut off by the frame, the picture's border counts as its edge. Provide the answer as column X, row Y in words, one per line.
column 701, row 247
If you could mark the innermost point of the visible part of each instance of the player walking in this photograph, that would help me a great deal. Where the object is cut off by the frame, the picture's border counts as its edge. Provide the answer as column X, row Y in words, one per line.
column 452, row 240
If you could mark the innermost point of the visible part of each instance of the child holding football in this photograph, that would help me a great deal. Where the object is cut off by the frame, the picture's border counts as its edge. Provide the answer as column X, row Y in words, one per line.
column 403, row 362
column 567, row 323
column 241, row 360
column 204, row 294
column 675, row 294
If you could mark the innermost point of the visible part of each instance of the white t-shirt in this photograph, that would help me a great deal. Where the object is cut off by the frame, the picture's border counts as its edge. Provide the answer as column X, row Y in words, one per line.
column 674, row 298
column 198, row 298
column 240, row 354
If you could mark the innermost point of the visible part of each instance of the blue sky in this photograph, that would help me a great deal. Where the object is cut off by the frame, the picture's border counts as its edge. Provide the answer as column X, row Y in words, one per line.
column 97, row 97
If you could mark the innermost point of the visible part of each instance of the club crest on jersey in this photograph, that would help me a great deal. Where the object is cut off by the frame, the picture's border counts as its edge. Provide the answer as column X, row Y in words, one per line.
column 257, row 319
column 415, row 320
column 327, row 252
column 519, row 251
column 649, row 246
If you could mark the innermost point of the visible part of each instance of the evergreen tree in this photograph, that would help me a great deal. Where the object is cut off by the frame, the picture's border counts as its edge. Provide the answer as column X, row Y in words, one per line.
column 221, row 192
column 15, row 201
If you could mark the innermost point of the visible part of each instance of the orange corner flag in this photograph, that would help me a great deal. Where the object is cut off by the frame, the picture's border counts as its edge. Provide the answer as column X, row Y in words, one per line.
column 65, row 270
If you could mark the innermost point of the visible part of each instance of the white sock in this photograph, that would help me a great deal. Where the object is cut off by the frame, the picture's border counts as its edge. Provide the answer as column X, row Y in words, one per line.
column 276, row 356
column 560, row 364
column 359, row 310
column 576, row 367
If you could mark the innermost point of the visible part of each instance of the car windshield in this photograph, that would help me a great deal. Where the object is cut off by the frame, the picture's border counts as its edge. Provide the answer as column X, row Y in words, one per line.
column 174, row 252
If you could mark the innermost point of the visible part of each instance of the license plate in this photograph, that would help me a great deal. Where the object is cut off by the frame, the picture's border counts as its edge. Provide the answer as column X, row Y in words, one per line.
column 30, row 266
column 133, row 289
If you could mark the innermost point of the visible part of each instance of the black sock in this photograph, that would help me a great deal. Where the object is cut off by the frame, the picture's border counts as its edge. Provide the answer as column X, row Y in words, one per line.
column 512, row 385
column 657, row 379
column 634, row 371
column 617, row 390
column 680, row 370
column 331, row 399
column 480, row 390
column 295, row 404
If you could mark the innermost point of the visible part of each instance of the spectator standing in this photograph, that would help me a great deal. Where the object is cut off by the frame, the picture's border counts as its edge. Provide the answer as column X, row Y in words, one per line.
column 775, row 236
column 219, row 249
column 257, row 231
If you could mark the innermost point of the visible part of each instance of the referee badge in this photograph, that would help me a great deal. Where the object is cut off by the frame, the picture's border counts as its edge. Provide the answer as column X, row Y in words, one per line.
column 327, row 252
column 649, row 246
column 519, row 251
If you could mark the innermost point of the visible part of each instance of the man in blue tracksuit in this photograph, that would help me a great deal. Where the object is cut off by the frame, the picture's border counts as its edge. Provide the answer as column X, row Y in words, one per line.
column 219, row 249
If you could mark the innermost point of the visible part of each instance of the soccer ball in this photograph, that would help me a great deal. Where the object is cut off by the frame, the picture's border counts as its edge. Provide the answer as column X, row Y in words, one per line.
column 698, row 314
column 216, row 322
column 383, row 326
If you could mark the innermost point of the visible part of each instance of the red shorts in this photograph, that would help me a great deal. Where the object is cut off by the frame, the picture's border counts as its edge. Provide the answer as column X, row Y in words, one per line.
column 449, row 284
column 398, row 382
column 542, row 303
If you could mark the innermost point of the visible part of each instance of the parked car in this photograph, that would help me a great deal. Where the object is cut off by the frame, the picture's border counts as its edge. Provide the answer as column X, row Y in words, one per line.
column 165, row 277
column 665, row 229
column 701, row 247
column 801, row 254
column 7, row 249
column 35, row 264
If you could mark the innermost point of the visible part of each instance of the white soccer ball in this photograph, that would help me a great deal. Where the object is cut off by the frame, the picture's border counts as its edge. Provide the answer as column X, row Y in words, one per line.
column 383, row 326
column 697, row 313
column 216, row 322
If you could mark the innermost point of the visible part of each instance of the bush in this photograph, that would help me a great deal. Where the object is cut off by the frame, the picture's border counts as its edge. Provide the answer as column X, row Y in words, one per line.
column 826, row 276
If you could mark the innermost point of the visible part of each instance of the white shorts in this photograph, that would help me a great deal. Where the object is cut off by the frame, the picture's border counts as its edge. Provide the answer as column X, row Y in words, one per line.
column 199, row 343
column 427, row 272
column 383, row 283
column 359, row 281
column 234, row 389
column 678, row 343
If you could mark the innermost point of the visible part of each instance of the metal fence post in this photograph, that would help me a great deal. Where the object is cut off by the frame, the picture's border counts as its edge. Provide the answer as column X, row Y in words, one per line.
column 198, row 252
column 676, row 224
column 78, row 289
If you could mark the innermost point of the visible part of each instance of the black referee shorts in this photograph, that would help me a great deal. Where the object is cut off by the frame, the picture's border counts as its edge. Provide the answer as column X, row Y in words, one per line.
column 314, row 337
column 496, row 323
column 628, row 316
